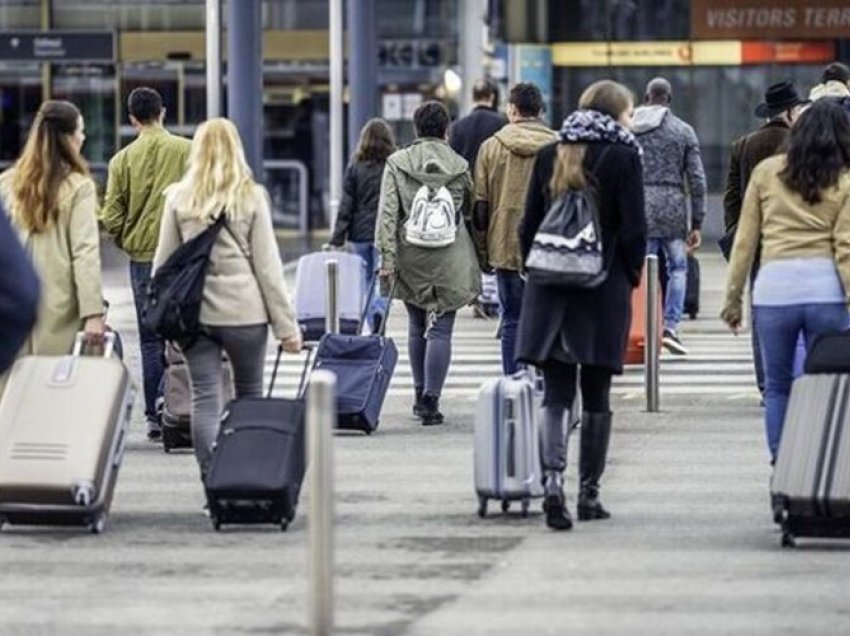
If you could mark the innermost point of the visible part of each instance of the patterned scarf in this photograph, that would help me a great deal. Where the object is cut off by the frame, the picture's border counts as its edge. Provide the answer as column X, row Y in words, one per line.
column 585, row 125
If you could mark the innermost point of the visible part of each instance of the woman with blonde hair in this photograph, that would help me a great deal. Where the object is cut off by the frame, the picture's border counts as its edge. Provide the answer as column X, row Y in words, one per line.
column 52, row 202
column 564, row 329
column 244, row 291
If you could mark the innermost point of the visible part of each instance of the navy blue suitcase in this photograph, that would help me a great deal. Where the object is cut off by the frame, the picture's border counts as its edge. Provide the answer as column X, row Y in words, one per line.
column 363, row 366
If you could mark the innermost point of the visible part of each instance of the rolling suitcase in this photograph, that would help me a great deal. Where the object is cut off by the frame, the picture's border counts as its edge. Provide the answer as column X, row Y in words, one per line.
column 811, row 481
column 507, row 443
column 311, row 289
column 63, row 425
column 637, row 329
column 258, row 460
column 487, row 305
column 177, row 394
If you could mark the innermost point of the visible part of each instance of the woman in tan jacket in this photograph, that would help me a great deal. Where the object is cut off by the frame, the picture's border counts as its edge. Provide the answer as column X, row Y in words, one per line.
column 244, row 291
column 53, row 204
column 798, row 205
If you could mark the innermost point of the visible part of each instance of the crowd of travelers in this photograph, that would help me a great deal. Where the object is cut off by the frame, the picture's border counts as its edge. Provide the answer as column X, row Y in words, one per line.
column 787, row 214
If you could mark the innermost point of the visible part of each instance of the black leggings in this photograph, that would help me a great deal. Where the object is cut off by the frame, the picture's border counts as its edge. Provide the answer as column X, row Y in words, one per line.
column 560, row 386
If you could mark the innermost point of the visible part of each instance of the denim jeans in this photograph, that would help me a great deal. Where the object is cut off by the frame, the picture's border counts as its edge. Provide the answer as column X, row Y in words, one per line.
column 151, row 345
column 676, row 253
column 779, row 328
column 510, row 296
column 430, row 348
column 371, row 264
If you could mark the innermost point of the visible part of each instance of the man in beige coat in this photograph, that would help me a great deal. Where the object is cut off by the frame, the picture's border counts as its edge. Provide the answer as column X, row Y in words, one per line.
column 502, row 173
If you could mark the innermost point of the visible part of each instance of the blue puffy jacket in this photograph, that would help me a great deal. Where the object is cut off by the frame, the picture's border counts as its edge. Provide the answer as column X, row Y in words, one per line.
column 19, row 292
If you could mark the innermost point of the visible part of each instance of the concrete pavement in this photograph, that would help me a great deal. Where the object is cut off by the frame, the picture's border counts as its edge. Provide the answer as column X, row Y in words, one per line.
column 690, row 550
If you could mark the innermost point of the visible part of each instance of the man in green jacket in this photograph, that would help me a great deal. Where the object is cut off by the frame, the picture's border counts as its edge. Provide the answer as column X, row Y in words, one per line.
column 131, row 215
column 502, row 173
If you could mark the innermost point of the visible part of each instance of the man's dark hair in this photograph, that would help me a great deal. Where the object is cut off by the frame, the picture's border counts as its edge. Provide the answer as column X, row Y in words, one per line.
column 145, row 104
column 659, row 91
column 484, row 89
column 431, row 119
column 527, row 99
column 836, row 72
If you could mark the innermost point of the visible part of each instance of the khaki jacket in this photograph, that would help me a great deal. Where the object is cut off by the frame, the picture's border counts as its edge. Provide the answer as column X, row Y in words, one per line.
column 502, row 173
column 789, row 228
column 244, row 284
column 67, row 259
column 138, row 176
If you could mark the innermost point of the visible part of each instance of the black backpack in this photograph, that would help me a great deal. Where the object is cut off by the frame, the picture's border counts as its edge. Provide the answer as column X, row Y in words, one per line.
column 173, row 303
column 567, row 248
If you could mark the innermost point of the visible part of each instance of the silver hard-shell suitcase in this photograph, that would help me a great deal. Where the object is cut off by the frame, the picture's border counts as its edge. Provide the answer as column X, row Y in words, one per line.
column 63, row 425
column 507, row 443
column 811, row 481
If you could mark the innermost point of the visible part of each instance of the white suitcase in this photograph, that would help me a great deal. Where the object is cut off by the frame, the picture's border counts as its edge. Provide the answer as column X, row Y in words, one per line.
column 310, row 289
column 63, row 425
column 507, row 443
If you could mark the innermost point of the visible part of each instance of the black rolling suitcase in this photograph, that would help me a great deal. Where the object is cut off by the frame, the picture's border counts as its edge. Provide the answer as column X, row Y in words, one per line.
column 692, row 290
column 258, row 460
column 811, row 481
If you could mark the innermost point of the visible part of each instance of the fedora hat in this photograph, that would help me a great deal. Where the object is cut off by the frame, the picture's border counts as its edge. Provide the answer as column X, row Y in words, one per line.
column 777, row 99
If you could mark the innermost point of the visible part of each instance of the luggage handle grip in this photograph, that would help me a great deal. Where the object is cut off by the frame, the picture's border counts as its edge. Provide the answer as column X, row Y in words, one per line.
column 108, row 344
column 302, row 384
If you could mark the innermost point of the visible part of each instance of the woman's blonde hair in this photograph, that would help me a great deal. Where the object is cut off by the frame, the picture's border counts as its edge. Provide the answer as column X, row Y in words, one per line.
column 218, row 177
column 48, row 158
column 606, row 96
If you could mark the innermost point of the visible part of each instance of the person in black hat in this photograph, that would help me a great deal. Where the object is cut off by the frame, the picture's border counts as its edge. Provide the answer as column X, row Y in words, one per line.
column 781, row 107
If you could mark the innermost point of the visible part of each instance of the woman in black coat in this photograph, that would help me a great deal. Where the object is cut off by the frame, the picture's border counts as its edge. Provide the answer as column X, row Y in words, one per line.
column 564, row 328
column 358, row 209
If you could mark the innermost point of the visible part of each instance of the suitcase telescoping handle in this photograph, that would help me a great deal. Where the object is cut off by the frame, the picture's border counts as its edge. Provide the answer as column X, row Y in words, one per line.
column 302, row 383
column 108, row 344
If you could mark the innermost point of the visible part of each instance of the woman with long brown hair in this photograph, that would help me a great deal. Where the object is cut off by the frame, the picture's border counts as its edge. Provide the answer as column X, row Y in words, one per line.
column 52, row 202
column 564, row 329
column 358, row 210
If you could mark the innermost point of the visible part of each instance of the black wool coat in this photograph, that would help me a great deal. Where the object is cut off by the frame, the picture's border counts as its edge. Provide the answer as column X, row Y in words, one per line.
column 587, row 326
column 358, row 209
column 468, row 133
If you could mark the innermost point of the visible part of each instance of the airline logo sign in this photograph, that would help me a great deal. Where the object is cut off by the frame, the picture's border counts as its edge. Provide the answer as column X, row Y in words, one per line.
column 767, row 19
column 713, row 53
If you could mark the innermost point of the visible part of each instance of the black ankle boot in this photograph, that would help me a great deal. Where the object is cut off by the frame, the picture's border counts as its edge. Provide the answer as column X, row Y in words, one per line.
column 431, row 410
column 595, row 433
column 554, row 502
column 417, row 406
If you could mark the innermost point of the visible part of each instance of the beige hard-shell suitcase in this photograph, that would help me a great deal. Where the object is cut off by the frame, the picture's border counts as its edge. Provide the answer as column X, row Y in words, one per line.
column 63, row 424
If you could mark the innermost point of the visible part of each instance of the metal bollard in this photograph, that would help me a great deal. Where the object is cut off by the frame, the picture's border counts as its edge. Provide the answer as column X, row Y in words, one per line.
column 321, row 417
column 332, row 298
column 652, row 345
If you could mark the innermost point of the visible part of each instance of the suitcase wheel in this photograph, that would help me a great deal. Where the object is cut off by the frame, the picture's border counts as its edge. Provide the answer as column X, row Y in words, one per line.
column 693, row 315
column 98, row 524
column 2, row 522
column 788, row 540
column 216, row 524
column 284, row 526
column 526, row 504
column 506, row 506
column 482, row 507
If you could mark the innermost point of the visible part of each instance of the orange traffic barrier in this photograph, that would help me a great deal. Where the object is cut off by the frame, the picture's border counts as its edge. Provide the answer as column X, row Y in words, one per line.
column 637, row 330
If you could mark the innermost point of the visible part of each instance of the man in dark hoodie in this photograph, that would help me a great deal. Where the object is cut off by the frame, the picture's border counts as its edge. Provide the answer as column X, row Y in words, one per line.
column 19, row 292
column 468, row 133
column 502, row 172
column 672, row 171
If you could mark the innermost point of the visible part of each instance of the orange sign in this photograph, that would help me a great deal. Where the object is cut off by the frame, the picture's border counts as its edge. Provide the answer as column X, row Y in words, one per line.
column 770, row 19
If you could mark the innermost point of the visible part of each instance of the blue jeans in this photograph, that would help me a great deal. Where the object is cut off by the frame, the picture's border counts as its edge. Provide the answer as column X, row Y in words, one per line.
column 676, row 253
column 371, row 263
column 151, row 345
column 510, row 296
column 779, row 328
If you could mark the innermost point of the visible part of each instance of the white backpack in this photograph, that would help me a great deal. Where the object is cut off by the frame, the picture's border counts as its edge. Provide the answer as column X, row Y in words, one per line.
column 433, row 218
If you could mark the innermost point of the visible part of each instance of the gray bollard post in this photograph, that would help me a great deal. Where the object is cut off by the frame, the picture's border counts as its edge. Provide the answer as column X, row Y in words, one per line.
column 332, row 298
column 652, row 346
column 321, row 417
